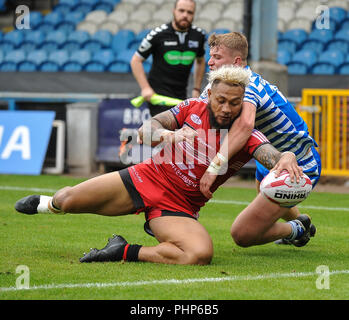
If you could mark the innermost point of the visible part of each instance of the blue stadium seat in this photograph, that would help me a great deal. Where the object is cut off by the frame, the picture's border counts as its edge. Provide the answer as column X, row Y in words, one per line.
column 119, row 67
column 297, row 68
column 147, row 66
column 338, row 14
column 338, row 44
column 100, row 61
column 50, row 22
column 12, row 59
column 32, row 40
column 345, row 23
column 69, row 22
column 3, row 7
column 75, row 40
column 1, row 56
column 288, row 45
column 65, row 6
column 122, row 39
column 53, row 41
column 323, row 35
column 55, row 61
column 13, row 38
column 283, row 56
column 308, row 57
column 33, row 61
column 343, row 69
column 125, row 55
column 105, row 5
column 99, row 40
column 297, row 35
column 323, row 68
column 77, row 60
column 312, row 44
column 85, row 6
column 342, row 34
column 335, row 57
column 36, row 19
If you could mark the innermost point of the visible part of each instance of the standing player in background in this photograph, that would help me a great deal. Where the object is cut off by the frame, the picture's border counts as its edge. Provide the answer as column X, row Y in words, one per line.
column 174, row 47
column 266, row 109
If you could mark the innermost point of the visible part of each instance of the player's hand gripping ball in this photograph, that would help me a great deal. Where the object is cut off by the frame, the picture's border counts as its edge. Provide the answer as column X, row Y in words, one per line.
column 282, row 191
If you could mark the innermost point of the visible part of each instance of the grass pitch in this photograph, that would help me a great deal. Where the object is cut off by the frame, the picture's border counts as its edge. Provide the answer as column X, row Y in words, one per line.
column 50, row 247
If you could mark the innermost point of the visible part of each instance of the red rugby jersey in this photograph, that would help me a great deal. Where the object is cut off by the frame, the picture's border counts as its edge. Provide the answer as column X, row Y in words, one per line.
column 183, row 164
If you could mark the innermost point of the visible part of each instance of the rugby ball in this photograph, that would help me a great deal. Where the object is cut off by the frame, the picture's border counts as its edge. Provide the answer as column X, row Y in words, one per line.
column 282, row 191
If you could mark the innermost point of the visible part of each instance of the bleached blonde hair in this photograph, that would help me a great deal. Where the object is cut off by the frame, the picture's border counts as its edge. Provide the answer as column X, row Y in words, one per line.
column 233, row 75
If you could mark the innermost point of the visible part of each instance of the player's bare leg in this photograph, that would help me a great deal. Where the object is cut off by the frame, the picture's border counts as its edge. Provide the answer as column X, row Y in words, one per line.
column 257, row 224
column 103, row 195
column 182, row 241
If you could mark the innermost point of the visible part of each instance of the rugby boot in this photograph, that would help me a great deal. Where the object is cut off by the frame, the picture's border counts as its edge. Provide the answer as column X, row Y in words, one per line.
column 304, row 222
column 312, row 232
column 113, row 251
column 28, row 205
column 36, row 204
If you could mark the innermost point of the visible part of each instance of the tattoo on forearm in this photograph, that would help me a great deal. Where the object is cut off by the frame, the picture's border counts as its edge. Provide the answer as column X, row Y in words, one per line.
column 267, row 155
column 166, row 120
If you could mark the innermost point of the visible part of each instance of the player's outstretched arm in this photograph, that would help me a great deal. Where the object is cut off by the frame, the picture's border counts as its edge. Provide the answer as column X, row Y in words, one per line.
column 272, row 159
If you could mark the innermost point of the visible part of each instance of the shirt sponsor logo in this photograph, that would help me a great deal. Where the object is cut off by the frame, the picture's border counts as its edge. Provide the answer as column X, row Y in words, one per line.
column 196, row 119
column 175, row 57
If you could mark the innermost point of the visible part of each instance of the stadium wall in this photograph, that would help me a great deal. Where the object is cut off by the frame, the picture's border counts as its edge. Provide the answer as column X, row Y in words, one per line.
column 111, row 83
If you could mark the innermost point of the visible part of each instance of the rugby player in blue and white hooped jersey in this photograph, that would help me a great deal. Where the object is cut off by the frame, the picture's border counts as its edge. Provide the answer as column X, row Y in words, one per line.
column 266, row 109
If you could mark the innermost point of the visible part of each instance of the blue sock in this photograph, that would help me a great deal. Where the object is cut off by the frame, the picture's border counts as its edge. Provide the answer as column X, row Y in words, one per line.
column 297, row 231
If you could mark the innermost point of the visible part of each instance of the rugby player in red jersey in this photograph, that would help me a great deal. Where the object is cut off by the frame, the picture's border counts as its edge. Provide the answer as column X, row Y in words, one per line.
column 167, row 186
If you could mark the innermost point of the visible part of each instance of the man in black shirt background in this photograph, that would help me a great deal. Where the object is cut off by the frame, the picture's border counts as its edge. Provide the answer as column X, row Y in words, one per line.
column 175, row 47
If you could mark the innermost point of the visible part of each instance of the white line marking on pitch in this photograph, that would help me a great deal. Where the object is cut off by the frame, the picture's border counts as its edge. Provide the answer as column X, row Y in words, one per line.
column 232, row 202
column 172, row 281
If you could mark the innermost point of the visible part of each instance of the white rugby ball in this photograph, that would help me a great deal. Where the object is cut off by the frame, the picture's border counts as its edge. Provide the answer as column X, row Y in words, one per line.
column 282, row 191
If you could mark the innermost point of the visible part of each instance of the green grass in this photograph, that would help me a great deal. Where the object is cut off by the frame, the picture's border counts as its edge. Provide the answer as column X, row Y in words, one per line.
column 50, row 246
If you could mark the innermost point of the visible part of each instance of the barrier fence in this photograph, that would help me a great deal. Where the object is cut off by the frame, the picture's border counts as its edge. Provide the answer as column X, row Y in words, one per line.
column 326, row 113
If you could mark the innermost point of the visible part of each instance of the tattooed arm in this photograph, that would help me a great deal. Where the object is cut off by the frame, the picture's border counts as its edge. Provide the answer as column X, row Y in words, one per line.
column 162, row 128
column 271, row 158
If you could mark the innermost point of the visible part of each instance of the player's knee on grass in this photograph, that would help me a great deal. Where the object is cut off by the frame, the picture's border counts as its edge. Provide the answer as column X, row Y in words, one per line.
column 241, row 237
column 202, row 256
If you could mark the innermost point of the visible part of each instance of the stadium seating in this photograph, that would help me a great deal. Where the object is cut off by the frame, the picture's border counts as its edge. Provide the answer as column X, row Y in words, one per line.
column 323, row 68
column 32, row 40
column 77, row 61
column 12, row 59
column 55, row 61
column 33, row 61
column 344, row 69
column 297, row 68
column 306, row 56
column 284, row 56
column 335, row 57
column 53, row 41
column 120, row 26
column 75, row 40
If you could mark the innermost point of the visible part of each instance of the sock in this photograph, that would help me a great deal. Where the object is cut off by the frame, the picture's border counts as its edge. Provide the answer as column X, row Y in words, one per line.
column 131, row 252
column 297, row 231
column 46, row 205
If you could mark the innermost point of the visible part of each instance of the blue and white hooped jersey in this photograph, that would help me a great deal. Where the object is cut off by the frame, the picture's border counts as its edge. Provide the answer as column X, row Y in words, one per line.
column 278, row 120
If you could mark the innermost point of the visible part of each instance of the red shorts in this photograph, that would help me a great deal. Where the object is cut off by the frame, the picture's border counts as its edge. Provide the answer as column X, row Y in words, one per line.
column 152, row 194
